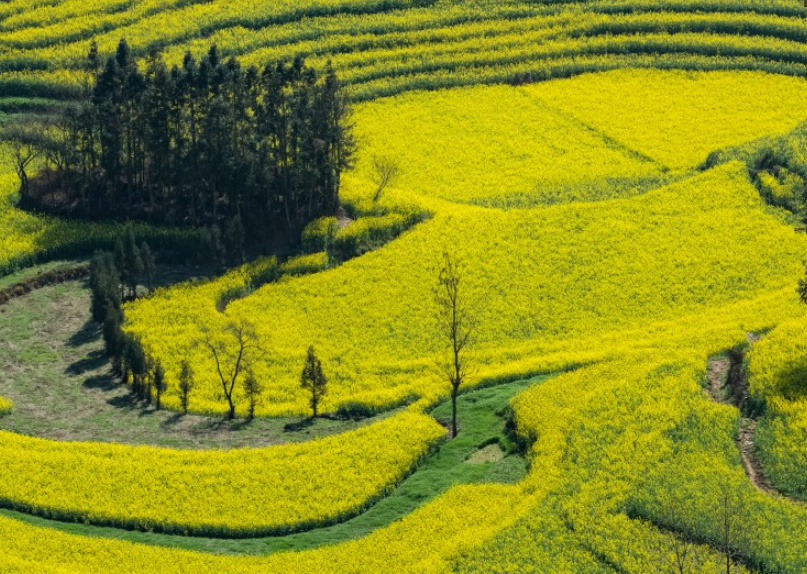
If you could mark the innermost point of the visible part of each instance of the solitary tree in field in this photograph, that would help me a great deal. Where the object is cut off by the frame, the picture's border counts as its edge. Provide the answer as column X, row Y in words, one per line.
column 456, row 325
column 313, row 380
column 160, row 384
column 252, row 392
column 385, row 171
column 234, row 351
column 186, row 384
column 732, row 516
column 678, row 553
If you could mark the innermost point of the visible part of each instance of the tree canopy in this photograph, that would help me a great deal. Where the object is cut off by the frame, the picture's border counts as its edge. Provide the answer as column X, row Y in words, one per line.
column 204, row 143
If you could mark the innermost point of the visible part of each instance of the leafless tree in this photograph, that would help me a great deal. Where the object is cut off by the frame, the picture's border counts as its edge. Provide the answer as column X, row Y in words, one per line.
column 456, row 325
column 678, row 554
column 25, row 145
column 385, row 170
column 234, row 351
column 732, row 515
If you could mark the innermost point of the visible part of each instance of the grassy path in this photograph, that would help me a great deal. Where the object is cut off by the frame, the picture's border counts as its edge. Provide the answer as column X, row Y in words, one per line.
column 478, row 454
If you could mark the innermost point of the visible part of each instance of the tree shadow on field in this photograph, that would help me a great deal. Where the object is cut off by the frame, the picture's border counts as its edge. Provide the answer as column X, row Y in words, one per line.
column 173, row 419
column 127, row 401
column 105, row 382
column 88, row 333
column 225, row 424
column 298, row 425
column 794, row 380
column 92, row 362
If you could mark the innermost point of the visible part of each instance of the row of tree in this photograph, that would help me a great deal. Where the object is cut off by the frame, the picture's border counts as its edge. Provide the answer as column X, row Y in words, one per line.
column 234, row 351
column 237, row 347
column 198, row 144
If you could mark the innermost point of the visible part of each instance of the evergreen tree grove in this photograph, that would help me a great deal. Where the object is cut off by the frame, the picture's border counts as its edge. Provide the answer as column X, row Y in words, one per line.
column 258, row 153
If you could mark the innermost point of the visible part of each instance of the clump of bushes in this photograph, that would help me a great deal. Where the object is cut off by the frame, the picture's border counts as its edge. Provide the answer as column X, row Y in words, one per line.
column 305, row 264
column 319, row 234
column 369, row 233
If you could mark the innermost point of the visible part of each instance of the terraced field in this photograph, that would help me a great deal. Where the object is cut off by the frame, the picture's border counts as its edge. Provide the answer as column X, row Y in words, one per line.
column 619, row 177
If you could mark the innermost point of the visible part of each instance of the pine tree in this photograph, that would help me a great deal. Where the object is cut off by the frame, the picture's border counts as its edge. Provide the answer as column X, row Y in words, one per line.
column 234, row 240
column 149, row 265
column 133, row 266
column 186, row 384
column 137, row 365
column 196, row 142
column 119, row 255
column 216, row 254
column 104, row 285
column 313, row 380
column 160, row 384
column 113, row 336
column 252, row 392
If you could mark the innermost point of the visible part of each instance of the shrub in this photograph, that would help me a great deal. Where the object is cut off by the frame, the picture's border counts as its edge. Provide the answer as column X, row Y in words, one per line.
column 318, row 235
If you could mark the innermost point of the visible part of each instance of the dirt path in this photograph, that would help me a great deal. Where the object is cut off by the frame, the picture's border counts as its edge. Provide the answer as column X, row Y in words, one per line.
column 751, row 464
column 727, row 384
column 43, row 280
column 717, row 375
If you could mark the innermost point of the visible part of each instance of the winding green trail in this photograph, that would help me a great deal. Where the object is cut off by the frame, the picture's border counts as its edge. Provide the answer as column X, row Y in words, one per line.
column 482, row 419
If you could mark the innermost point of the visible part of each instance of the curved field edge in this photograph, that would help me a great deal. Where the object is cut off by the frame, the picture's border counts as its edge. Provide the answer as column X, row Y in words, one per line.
column 776, row 366
column 583, row 505
column 348, row 32
column 680, row 342
column 63, row 387
column 236, row 493
column 482, row 416
column 517, row 335
column 571, row 470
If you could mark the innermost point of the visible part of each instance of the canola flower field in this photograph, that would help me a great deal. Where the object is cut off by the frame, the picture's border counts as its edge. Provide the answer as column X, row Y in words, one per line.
column 595, row 165
column 242, row 492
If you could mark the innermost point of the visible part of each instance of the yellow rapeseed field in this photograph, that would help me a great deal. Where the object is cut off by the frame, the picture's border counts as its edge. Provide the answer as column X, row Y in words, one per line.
column 244, row 492
column 593, row 243
column 549, row 277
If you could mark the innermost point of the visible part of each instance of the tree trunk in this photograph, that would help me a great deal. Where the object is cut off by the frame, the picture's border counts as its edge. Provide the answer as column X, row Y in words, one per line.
column 231, row 414
column 453, row 412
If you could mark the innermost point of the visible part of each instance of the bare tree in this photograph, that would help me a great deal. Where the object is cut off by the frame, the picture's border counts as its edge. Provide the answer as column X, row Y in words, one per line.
column 678, row 554
column 160, row 384
column 233, row 352
column 25, row 145
column 385, row 171
column 456, row 325
column 732, row 516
